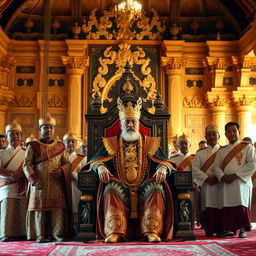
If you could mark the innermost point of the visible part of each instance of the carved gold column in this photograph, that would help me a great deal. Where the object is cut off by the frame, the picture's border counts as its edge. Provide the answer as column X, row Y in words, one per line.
column 174, row 68
column 244, row 97
column 75, row 70
column 244, row 106
column 218, row 105
column 6, row 95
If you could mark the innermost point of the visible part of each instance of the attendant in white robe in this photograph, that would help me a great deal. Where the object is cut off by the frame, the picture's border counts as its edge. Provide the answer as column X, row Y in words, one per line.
column 70, row 141
column 12, row 186
column 234, row 166
column 202, row 168
column 174, row 146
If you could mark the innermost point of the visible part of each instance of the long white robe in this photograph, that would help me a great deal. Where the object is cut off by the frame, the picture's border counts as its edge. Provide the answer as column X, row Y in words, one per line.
column 11, row 191
column 240, row 190
column 76, row 193
column 209, row 193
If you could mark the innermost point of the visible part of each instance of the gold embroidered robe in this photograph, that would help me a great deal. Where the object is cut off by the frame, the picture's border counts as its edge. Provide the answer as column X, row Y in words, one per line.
column 132, row 192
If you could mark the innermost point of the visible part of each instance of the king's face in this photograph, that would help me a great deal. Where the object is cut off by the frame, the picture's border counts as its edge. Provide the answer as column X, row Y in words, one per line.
column 131, row 125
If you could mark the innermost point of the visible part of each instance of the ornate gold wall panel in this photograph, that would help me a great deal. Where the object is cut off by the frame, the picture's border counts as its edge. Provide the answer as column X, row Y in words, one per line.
column 200, row 82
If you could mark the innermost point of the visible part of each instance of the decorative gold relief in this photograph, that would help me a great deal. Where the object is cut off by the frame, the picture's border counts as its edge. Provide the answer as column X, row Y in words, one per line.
column 194, row 102
column 24, row 101
column 173, row 63
column 100, row 26
column 139, row 28
column 6, row 64
column 57, row 101
column 219, row 101
column 120, row 57
column 149, row 85
column 243, row 100
column 147, row 26
column 75, row 62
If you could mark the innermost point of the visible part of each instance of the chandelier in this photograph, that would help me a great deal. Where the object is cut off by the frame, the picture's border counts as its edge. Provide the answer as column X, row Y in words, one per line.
column 126, row 13
column 129, row 9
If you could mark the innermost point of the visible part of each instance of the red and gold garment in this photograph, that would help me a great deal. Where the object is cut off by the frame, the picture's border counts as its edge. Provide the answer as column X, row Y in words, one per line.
column 132, row 192
column 40, row 160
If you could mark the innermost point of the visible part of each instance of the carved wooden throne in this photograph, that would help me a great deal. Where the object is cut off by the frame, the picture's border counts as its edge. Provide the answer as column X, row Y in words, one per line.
column 106, row 125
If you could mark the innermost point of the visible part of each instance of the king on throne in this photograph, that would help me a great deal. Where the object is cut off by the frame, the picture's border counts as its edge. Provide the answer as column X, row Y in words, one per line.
column 132, row 170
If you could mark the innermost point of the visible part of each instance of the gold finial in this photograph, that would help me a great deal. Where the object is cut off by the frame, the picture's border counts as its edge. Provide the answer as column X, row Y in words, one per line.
column 48, row 119
column 129, row 111
column 13, row 127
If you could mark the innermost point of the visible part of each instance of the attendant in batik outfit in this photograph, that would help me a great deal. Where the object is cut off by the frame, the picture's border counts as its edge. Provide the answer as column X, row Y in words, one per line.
column 202, row 168
column 132, row 170
column 234, row 166
column 12, row 186
column 70, row 141
column 47, row 168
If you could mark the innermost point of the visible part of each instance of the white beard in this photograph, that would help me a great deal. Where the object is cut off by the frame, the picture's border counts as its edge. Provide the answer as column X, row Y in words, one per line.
column 130, row 136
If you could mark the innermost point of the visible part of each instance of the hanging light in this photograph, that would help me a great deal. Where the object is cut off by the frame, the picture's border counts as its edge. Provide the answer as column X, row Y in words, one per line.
column 128, row 9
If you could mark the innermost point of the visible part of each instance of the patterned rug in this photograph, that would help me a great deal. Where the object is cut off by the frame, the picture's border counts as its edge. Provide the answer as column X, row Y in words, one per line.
column 25, row 248
column 202, row 246
column 125, row 249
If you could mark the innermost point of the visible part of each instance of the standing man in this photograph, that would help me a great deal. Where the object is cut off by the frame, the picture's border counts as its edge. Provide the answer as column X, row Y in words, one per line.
column 132, row 170
column 183, row 158
column 70, row 141
column 47, row 169
column 234, row 166
column 2, row 141
column 175, row 146
column 202, row 168
column 12, row 186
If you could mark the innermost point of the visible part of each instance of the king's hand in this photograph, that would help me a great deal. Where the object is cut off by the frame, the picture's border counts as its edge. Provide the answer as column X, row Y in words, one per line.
column 160, row 174
column 104, row 173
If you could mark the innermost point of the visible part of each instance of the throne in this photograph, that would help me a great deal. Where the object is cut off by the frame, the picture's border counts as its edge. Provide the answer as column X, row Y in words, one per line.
column 107, row 124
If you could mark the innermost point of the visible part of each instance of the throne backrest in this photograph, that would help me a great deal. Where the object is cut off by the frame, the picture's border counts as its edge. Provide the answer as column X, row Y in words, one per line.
column 107, row 124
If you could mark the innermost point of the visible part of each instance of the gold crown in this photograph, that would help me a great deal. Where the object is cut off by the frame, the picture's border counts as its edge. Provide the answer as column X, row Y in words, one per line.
column 31, row 138
column 183, row 137
column 212, row 128
column 69, row 136
column 48, row 119
column 129, row 111
column 13, row 127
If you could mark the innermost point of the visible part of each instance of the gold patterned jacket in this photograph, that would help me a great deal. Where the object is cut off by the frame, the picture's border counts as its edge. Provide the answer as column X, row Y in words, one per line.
column 40, row 160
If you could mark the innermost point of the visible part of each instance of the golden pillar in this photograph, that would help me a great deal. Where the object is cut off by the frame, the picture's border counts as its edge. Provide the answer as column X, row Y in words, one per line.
column 6, row 95
column 219, row 119
column 244, row 116
column 244, row 105
column 75, row 70
column 174, row 68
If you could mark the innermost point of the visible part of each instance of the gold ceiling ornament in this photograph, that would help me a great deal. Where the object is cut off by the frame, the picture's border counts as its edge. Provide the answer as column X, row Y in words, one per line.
column 147, row 26
column 124, row 55
column 123, row 25
column 101, row 26
column 126, row 13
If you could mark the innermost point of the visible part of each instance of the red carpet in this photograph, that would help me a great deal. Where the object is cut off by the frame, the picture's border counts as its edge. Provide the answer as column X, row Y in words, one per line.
column 127, row 249
column 203, row 246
